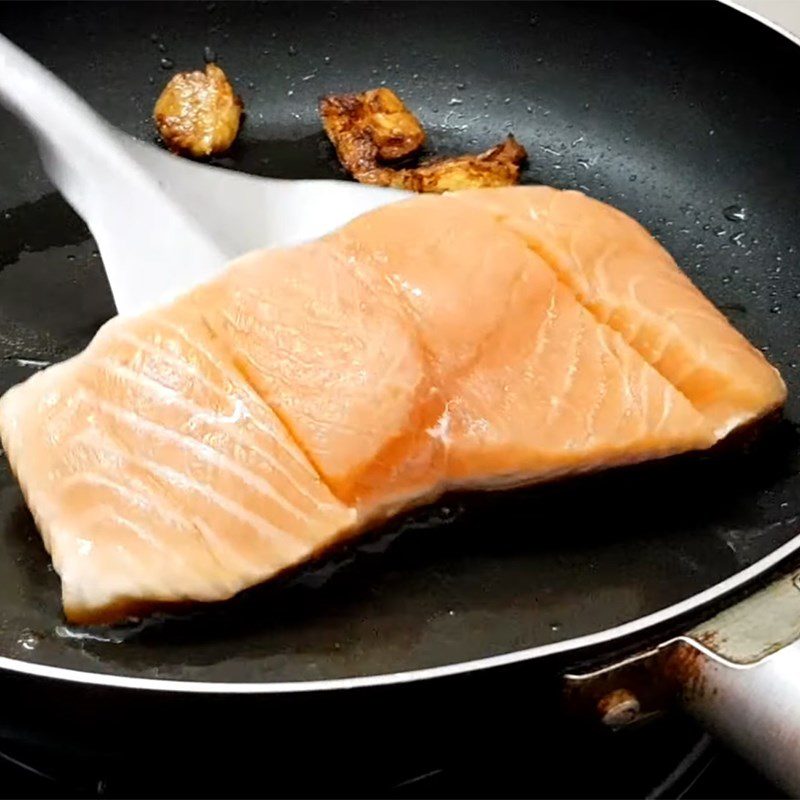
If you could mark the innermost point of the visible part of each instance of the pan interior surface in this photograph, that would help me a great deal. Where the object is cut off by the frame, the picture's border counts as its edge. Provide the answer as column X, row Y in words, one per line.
column 633, row 103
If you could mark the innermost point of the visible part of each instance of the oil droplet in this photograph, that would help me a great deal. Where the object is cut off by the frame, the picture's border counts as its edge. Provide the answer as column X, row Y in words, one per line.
column 70, row 257
column 162, row 48
column 292, row 50
column 507, row 100
column 461, row 86
column 326, row 60
column 737, row 239
column 153, row 37
column 209, row 56
column 34, row 363
column 28, row 640
column 734, row 213
column 290, row 93
column 776, row 309
column 106, row 635
column 446, row 514
column 167, row 63
column 7, row 215
column 555, row 626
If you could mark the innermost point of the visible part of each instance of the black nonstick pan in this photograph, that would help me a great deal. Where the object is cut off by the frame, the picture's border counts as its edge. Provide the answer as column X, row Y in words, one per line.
column 684, row 115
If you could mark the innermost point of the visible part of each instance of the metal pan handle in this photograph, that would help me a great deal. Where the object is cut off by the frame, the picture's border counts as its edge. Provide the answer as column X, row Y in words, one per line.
column 745, row 685
column 755, row 709
column 738, row 674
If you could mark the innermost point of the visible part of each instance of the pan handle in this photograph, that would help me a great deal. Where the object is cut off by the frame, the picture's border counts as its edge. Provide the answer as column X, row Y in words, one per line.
column 738, row 674
column 744, row 680
column 753, row 708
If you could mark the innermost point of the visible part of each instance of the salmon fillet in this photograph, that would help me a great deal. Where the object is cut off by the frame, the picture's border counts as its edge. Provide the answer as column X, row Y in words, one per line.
column 632, row 284
column 475, row 340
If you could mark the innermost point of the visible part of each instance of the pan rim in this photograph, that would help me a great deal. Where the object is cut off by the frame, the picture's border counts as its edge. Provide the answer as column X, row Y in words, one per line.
column 638, row 625
column 758, row 17
column 573, row 645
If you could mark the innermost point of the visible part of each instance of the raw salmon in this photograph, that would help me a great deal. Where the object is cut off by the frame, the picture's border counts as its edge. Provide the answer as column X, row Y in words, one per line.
column 475, row 340
column 618, row 271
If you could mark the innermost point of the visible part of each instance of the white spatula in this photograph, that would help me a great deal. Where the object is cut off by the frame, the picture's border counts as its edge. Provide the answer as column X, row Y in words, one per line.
column 162, row 223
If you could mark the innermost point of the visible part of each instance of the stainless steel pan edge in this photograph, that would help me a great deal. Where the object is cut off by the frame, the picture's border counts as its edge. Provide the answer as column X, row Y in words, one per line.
column 738, row 673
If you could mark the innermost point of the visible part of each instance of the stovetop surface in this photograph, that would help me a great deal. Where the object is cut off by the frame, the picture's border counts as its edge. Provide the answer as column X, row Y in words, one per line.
column 672, row 758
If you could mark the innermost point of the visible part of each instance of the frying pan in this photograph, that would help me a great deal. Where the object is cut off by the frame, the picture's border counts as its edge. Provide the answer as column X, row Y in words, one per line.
column 466, row 614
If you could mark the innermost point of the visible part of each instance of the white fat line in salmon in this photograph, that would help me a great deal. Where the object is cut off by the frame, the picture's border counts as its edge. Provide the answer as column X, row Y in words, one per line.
column 298, row 457
column 212, row 417
column 156, row 505
column 249, row 477
column 259, row 523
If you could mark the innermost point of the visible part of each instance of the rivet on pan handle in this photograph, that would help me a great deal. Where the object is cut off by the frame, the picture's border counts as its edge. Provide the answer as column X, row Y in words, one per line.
column 738, row 673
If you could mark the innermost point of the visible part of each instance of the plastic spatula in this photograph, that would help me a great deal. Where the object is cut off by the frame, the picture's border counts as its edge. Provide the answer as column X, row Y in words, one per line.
column 163, row 223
